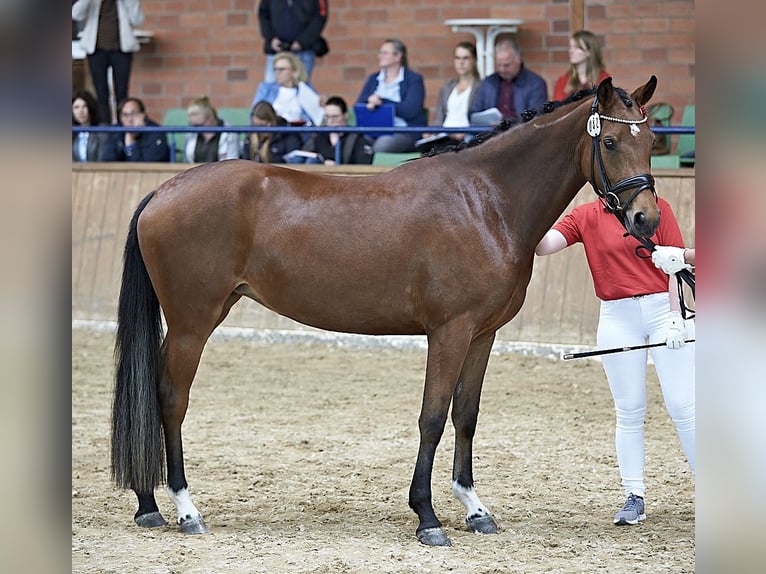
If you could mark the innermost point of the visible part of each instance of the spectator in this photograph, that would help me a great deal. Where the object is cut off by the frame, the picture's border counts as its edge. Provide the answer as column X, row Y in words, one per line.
column 457, row 95
column 269, row 147
column 354, row 148
column 586, row 66
column 88, row 146
column 290, row 95
column 639, row 305
column 512, row 88
column 109, row 41
column 398, row 85
column 138, row 146
column 208, row 146
column 293, row 26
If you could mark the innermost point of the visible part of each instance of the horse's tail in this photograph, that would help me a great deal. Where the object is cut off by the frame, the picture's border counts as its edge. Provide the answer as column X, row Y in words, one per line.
column 138, row 448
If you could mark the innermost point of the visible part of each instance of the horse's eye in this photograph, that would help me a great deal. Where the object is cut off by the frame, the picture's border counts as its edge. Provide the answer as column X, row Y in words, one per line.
column 609, row 143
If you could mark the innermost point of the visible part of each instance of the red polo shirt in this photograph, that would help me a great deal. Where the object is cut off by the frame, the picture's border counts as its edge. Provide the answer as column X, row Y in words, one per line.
column 616, row 269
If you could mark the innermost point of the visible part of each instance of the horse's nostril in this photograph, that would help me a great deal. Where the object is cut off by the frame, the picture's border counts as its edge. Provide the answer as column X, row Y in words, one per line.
column 639, row 219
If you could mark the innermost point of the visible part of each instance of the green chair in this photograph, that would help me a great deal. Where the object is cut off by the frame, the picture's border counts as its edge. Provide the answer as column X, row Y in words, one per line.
column 351, row 116
column 686, row 142
column 235, row 116
column 177, row 117
column 668, row 161
column 393, row 158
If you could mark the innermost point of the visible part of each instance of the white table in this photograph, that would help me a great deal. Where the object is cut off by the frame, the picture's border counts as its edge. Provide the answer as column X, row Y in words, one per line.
column 485, row 30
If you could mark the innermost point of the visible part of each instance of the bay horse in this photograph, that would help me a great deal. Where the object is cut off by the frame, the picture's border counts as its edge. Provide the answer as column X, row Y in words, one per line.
column 442, row 246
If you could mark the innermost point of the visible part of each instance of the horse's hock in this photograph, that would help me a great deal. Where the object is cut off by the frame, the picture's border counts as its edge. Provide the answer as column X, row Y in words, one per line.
column 560, row 306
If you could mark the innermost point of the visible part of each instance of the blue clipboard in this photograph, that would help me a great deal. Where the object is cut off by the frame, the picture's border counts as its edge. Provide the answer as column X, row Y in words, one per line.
column 380, row 117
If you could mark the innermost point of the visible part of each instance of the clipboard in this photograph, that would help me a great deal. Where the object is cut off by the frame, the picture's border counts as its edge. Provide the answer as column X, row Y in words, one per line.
column 380, row 117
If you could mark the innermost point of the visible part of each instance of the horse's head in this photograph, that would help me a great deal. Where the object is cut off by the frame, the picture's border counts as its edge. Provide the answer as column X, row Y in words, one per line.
column 620, row 151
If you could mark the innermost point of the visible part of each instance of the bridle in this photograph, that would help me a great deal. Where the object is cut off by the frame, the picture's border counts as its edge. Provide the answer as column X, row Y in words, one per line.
column 610, row 194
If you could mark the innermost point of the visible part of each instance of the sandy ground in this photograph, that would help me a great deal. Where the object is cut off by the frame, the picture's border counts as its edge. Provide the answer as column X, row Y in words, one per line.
column 300, row 456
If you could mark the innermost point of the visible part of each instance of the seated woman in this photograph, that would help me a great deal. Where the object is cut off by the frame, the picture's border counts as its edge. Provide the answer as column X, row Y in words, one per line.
column 291, row 96
column 138, row 146
column 208, row 146
column 396, row 84
column 457, row 94
column 269, row 147
column 354, row 147
column 88, row 146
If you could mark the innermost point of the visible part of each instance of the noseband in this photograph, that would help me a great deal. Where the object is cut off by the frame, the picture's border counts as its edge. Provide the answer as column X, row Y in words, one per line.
column 610, row 195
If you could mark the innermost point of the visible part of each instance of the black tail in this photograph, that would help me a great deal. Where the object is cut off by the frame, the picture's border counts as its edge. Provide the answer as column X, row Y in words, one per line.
column 138, row 449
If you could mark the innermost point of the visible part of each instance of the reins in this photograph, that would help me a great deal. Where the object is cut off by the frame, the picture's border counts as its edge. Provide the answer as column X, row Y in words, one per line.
column 611, row 201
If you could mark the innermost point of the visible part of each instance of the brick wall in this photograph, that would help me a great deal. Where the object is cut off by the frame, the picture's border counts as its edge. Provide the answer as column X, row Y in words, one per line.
column 214, row 47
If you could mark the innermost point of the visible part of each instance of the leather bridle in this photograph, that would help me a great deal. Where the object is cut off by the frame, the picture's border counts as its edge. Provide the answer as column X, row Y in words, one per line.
column 610, row 194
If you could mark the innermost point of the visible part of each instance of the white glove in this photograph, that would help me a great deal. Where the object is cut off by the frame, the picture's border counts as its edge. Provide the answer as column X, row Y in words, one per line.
column 675, row 331
column 669, row 259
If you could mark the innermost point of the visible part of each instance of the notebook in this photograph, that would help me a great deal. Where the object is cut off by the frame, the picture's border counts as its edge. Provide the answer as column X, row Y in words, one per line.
column 380, row 117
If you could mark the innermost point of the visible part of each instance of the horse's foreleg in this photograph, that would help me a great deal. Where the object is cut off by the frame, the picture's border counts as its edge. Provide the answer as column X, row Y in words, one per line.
column 182, row 355
column 465, row 413
column 446, row 352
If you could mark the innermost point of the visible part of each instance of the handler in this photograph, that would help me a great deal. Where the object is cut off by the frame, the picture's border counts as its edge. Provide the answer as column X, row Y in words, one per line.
column 639, row 305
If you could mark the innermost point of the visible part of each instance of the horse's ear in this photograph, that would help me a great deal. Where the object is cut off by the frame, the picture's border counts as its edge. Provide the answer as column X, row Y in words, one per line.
column 645, row 92
column 605, row 91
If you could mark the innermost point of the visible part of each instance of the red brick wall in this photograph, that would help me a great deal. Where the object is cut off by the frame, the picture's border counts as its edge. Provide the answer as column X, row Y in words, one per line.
column 214, row 47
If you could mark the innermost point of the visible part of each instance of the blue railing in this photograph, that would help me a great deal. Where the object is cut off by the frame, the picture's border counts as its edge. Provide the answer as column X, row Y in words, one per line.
column 317, row 129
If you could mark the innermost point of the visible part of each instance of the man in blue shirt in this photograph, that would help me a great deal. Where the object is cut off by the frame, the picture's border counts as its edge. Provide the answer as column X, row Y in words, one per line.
column 512, row 88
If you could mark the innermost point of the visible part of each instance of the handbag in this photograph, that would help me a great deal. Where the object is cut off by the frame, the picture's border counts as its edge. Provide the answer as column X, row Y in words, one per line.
column 320, row 47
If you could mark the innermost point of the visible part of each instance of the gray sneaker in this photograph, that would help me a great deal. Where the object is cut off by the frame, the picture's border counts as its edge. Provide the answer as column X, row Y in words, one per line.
column 632, row 512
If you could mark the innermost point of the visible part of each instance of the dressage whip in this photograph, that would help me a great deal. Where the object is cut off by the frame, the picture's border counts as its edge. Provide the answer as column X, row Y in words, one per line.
column 567, row 356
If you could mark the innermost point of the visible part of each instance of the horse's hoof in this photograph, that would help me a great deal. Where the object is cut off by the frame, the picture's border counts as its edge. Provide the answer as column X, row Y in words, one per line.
column 150, row 520
column 483, row 524
column 193, row 526
column 434, row 537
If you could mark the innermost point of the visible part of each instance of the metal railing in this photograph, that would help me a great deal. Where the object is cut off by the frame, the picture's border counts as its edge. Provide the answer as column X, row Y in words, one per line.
column 673, row 130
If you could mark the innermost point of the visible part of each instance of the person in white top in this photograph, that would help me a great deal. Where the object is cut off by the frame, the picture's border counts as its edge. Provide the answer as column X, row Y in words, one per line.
column 291, row 96
column 109, row 41
column 457, row 94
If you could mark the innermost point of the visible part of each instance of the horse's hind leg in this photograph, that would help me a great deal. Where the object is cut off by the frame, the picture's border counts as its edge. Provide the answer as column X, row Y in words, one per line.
column 465, row 413
column 446, row 351
column 182, row 349
column 182, row 353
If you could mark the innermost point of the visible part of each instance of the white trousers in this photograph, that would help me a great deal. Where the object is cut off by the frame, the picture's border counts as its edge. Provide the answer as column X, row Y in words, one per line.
column 637, row 321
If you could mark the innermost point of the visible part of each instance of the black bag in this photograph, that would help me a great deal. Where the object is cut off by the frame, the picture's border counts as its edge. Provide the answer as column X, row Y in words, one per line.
column 320, row 47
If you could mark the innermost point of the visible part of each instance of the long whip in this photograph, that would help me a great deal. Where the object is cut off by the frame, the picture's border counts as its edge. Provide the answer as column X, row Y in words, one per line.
column 567, row 356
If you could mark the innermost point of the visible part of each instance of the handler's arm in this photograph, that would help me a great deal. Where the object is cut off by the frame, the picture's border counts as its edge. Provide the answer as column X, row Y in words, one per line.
column 552, row 242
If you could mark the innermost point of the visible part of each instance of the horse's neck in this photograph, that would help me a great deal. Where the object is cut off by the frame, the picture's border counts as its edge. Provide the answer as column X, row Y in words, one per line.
column 538, row 169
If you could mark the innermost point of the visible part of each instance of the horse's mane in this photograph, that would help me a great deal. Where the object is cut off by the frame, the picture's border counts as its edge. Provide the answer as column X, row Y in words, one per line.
column 526, row 115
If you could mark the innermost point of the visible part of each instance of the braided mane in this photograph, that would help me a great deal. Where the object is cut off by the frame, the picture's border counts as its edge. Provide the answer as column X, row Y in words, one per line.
column 526, row 116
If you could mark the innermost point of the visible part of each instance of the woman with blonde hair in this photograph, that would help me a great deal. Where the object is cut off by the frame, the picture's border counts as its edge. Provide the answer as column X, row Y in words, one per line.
column 290, row 93
column 586, row 66
column 269, row 147
column 204, row 147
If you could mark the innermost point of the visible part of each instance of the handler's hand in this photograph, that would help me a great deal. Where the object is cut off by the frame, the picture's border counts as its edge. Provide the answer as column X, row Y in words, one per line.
column 669, row 259
column 675, row 331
